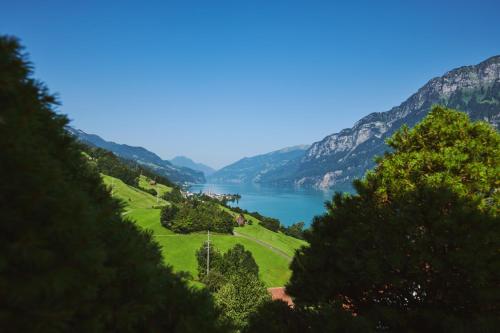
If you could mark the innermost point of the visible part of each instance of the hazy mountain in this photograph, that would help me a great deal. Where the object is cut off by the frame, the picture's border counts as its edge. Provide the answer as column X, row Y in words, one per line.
column 339, row 158
column 251, row 169
column 143, row 156
column 183, row 161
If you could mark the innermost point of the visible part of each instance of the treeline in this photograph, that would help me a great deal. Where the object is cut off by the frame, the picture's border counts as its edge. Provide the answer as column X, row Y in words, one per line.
column 233, row 278
column 127, row 171
column 196, row 215
column 69, row 261
column 295, row 230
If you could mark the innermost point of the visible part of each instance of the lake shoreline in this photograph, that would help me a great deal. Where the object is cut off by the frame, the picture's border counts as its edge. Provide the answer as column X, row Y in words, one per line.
column 289, row 205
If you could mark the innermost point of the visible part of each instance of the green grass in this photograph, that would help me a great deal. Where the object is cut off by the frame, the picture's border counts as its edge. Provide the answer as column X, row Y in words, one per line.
column 278, row 240
column 144, row 182
column 131, row 196
column 179, row 250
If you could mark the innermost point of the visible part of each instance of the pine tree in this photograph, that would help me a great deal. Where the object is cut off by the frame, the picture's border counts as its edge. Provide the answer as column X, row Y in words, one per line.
column 416, row 249
column 68, row 261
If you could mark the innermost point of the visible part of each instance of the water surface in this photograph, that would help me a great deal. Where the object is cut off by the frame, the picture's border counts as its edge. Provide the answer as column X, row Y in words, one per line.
column 289, row 205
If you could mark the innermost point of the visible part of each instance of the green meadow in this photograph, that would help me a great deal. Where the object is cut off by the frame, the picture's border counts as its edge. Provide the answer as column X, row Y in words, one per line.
column 272, row 251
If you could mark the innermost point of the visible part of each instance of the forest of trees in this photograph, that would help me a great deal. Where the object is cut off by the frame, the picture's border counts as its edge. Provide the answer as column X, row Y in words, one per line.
column 414, row 249
column 191, row 215
column 128, row 171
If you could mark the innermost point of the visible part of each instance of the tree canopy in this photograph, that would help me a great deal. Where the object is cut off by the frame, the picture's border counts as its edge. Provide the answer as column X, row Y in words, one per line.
column 240, row 297
column 191, row 215
column 68, row 260
column 234, row 280
column 416, row 248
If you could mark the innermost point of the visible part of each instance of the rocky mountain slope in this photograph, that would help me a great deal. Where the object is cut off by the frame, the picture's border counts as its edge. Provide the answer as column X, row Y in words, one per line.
column 252, row 169
column 341, row 157
column 142, row 156
column 184, row 161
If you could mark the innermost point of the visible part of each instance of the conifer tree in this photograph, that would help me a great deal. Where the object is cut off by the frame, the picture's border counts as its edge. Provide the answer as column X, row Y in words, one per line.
column 416, row 248
column 69, row 262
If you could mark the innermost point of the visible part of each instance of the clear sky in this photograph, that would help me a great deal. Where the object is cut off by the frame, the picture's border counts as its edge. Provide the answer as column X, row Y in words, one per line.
column 220, row 80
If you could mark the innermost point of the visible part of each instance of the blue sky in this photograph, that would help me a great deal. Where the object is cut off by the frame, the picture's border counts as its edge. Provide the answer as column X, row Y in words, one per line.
column 220, row 80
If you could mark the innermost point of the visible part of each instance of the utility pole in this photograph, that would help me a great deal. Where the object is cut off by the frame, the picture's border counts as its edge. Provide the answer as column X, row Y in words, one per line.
column 112, row 185
column 208, row 253
column 157, row 194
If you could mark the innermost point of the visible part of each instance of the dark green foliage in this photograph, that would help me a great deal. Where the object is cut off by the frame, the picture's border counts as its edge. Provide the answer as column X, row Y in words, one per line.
column 151, row 174
column 126, row 170
column 108, row 163
column 140, row 156
column 201, row 258
column 196, row 215
column 174, row 196
column 484, row 101
column 151, row 191
column 270, row 223
column 234, row 280
column 168, row 214
column 238, row 260
column 416, row 249
column 68, row 261
column 214, row 280
column 278, row 317
column 295, row 230
column 240, row 296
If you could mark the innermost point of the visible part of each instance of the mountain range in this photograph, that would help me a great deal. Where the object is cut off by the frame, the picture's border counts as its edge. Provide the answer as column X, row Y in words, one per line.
column 176, row 173
column 184, row 161
column 337, row 159
column 252, row 169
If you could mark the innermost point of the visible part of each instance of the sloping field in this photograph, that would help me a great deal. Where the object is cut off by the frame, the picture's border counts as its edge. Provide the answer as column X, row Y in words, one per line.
column 272, row 251
column 277, row 240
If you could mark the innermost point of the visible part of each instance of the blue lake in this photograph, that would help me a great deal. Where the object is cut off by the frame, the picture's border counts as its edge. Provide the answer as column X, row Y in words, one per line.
column 288, row 205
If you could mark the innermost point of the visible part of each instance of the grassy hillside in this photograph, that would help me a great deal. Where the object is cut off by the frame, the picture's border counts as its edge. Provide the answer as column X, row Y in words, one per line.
column 272, row 251
column 278, row 240
column 138, row 204
column 145, row 183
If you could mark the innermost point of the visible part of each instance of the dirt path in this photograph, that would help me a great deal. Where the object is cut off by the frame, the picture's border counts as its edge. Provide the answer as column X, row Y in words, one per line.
column 269, row 246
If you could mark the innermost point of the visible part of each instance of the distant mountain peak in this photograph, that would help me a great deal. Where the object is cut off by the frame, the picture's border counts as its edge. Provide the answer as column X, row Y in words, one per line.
column 292, row 148
column 184, row 161
column 252, row 169
column 341, row 157
column 142, row 156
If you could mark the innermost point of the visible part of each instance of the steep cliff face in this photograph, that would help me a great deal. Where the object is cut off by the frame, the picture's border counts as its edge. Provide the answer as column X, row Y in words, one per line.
column 339, row 158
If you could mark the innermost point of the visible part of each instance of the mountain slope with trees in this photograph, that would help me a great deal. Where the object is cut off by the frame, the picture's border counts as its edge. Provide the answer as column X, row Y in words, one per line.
column 340, row 158
column 142, row 156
